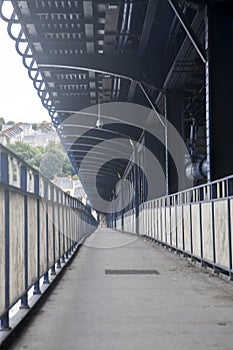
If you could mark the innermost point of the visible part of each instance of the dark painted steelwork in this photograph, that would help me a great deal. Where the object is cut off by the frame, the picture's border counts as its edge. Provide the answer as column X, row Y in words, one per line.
column 59, row 232
column 156, row 51
column 219, row 82
column 37, row 290
column 136, row 195
column 46, row 275
column 174, row 105
column 189, row 31
column 200, row 214
column 213, row 195
column 5, row 317
column 4, row 176
column 53, row 268
column 229, row 193
column 23, row 186
column 121, row 65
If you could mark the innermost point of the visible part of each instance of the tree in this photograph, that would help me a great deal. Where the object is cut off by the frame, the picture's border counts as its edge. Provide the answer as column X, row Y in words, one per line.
column 35, row 126
column 31, row 155
column 10, row 122
column 2, row 122
column 51, row 163
column 67, row 168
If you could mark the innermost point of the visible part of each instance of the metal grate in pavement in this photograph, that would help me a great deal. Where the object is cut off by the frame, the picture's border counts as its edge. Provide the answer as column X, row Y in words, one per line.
column 131, row 272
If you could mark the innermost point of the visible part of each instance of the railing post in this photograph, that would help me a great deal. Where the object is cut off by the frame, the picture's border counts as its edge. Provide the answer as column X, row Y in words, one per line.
column 229, row 229
column 165, row 220
column 67, row 232
column 170, row 225
column 176, row 223
column 200, row 199
column 23, row 186
column 71, row 228
column 122, row 220
column 46, row 275
column 63, row 229
column 212, row 196
column 4, row 175
column 136, row 188
column 183, row 233
column 59, row 230
column 53, row 269
column 161, row 222
column 5, row 318
column 37, row 192
column 191, row 222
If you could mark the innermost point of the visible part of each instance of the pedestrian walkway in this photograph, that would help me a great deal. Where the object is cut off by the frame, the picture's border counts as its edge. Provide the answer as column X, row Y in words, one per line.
column 123, row 293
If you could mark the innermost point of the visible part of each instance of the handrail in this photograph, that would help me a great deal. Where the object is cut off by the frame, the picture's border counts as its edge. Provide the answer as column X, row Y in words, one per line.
column 40, row 227
column 196, row 223
column 225, row 181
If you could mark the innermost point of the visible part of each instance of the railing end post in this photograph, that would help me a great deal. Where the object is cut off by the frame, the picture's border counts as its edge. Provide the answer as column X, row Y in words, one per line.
column 4, row 323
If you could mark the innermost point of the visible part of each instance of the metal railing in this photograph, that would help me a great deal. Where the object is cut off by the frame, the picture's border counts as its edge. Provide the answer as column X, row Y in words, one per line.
column 197, row 222
column 40, row 226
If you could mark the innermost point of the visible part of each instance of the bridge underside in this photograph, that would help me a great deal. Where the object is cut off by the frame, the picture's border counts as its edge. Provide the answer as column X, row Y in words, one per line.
column 174, row 57
column 140, row 93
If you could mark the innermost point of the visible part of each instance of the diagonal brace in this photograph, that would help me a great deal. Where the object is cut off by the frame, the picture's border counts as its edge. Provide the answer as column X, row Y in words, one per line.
column 188, row 29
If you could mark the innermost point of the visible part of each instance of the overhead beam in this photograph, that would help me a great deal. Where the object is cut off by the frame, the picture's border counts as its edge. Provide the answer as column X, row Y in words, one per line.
column 147, row 26
column 36, row 20
column 57, row 82
column 184, row 53
column 121, row 65
column 72, row 104
column 188, row 29
column 146, row 30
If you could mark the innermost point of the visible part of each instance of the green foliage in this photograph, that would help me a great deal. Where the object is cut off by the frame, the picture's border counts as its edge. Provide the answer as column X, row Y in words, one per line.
column 2, row 122
column 35, row 126
column 31, row 155
column 55, row 162
column 50, row 161
column 67, row 168
column 10, row 122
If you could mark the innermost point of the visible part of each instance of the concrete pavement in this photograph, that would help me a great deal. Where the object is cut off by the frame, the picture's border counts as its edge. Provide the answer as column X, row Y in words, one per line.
column 179, row 307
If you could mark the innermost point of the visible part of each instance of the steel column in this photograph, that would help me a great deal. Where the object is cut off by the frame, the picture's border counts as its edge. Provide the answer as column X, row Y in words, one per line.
column 174, row 111
column 219, row 82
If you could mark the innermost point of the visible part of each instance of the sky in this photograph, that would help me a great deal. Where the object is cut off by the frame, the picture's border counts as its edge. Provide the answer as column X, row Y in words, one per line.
column 18, row 98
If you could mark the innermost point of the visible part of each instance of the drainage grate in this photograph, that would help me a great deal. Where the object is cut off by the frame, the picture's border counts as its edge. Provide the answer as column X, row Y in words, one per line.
column 131, row 272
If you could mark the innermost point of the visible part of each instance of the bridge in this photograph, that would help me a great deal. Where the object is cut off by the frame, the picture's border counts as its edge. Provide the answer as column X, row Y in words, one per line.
column 140, row 93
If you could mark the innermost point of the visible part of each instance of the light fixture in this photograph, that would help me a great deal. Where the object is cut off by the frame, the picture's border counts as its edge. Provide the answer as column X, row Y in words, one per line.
column 99, row 123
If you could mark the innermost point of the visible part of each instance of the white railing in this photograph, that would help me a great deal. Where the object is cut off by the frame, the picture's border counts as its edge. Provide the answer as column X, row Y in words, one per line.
column 197, row 222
